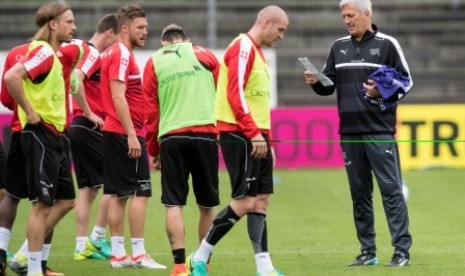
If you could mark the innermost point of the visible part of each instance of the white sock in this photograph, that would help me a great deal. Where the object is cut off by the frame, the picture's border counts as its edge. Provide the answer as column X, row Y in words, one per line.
column 98, row 233
column 263, row 263
column 46, row 251
column 4, row 238
column 34, row 262
column 138, row 247
column 204, row 252
column 117, row 247
column 24, row 250
column 81, row 244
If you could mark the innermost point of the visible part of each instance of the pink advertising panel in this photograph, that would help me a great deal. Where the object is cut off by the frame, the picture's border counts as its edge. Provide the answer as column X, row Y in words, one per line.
column 303, row 137
column 306, row 137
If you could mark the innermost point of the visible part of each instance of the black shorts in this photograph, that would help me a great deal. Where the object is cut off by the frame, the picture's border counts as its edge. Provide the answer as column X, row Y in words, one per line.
column 15, row 169
column 124, row 176
column 184, row 154
column 48, row 171
column 249, row 176
column 65, row 189
column 87, row 149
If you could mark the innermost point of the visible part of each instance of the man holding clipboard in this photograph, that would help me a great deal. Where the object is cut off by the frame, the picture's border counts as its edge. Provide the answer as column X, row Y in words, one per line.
column 367, row 128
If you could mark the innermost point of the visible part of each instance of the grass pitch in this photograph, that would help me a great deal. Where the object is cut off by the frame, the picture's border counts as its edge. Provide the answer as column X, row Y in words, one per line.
column 311, row 230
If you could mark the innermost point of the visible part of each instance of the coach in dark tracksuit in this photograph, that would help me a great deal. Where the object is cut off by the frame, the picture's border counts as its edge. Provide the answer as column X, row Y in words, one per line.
column 363, row 120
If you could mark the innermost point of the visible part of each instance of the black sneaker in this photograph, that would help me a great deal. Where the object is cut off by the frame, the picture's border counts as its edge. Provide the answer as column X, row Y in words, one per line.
column 2, row 262
column 399, row 259
column 365, row 258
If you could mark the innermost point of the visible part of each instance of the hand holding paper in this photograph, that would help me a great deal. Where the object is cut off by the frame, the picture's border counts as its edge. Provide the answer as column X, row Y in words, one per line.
column 309, row 67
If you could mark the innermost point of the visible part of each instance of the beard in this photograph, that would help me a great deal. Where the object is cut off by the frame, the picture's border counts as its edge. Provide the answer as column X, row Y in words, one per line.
column 137, row 42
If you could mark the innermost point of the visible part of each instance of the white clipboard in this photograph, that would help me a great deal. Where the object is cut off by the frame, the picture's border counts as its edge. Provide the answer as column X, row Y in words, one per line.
column 309, row 67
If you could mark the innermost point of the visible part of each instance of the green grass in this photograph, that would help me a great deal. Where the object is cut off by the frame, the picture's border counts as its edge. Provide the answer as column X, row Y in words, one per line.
column 311, row 230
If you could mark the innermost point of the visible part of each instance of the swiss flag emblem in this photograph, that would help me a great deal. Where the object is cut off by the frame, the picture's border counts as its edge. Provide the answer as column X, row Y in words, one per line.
column 41, row 56
column 244, row 54
column 124, row 61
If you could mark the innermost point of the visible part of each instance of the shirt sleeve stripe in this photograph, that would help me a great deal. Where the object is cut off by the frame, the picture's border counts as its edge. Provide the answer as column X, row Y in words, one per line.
column 43, row 54
column 91, row 59
column 244, row 56
column 124, row 62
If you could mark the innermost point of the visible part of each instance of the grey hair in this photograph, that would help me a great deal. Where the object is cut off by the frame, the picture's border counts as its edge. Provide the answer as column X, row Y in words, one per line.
column 362, row 5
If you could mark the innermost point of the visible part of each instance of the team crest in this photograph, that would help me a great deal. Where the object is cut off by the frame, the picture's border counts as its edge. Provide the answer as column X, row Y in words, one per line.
column 374, row 52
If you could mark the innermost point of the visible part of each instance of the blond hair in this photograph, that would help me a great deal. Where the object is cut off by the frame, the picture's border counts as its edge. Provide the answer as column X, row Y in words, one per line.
column 44, row 15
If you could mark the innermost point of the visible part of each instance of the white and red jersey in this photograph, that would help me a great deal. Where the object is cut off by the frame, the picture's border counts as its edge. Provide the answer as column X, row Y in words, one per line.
column 119, row 64
column 14, row 55
column 69, row 55
column 240, row 58
column 38, row 62
column 90, row 66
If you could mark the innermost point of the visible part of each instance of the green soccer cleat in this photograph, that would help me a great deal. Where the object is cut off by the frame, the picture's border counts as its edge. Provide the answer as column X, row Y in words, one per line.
column 100, row 246
column 196, row 268
column 273, row 273
column 81, row 256
column 9, row 256
column 18, row 264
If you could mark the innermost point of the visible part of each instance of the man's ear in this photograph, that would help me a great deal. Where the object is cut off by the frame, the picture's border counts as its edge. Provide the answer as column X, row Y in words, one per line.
column 124, row 28
column 52, row 24
column 110, row 32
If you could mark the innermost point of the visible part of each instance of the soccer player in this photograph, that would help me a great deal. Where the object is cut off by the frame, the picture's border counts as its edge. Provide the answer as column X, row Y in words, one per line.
column 87, row 145
column 351, row 62
column 243, row 119
column 126, row 167
column 180, row 115
column 15, row 163
column 37, row 85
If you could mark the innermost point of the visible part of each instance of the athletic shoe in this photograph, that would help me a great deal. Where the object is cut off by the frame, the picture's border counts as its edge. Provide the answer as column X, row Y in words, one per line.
column 196, row 268
column 366, row 259
column 273, row 273
column 9, row 256
column 145, row 261
column 179, row 270
column 399, row 259
column 3, row 262
column 122, row 262
column 100, row 246
column 87, row 254
column 188, row 261
column 18, row 264
column 50, row 272
column 81, row 255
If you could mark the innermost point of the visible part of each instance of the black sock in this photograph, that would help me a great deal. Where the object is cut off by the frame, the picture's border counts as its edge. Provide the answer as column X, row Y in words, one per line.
column 2, row 259
column 44, row 266
column 223, row 222
column 265, row 237
column 179, row 255
column 256, row 226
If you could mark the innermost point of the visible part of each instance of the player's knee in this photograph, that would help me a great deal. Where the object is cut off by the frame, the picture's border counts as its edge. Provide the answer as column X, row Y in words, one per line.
column 262, row 203
column 66, row 205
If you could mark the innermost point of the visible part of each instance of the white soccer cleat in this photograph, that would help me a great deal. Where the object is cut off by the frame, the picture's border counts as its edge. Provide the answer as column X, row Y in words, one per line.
column 122, row 262
column 145, row 261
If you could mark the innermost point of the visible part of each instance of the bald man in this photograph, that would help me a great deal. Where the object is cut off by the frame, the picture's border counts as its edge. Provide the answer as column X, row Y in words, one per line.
column 242, row 112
